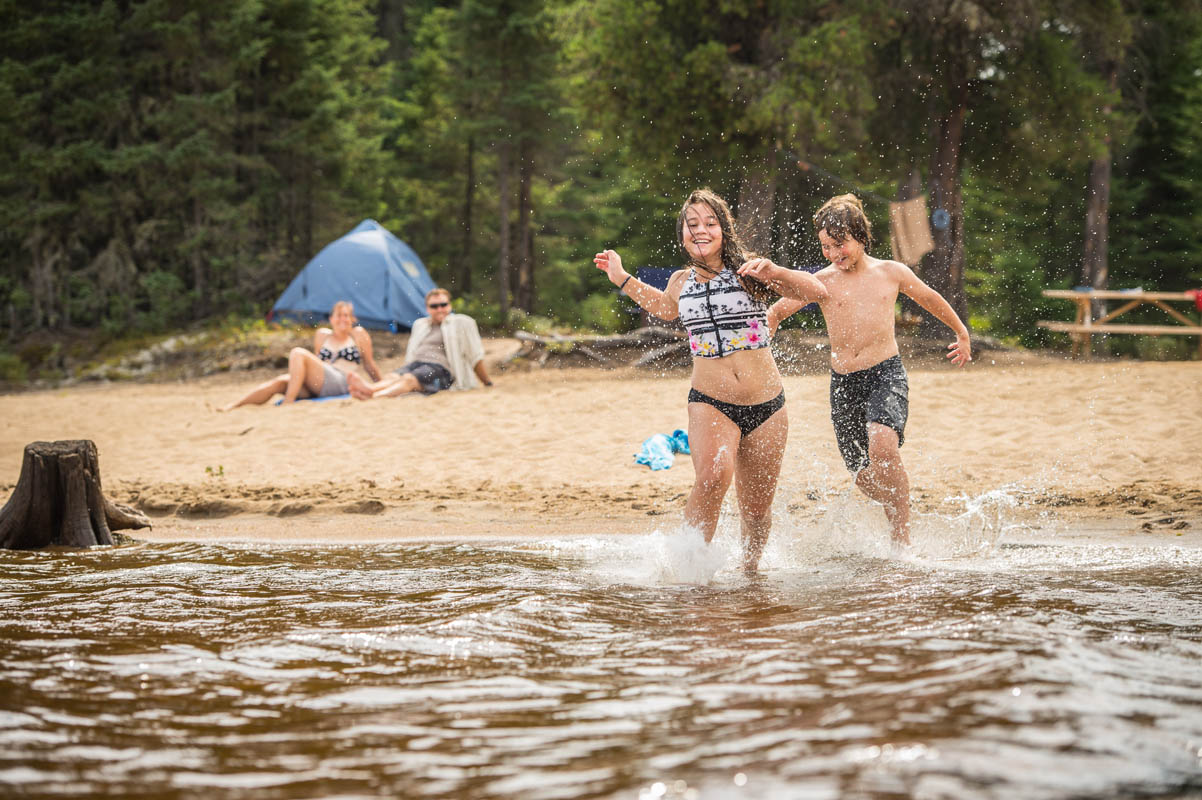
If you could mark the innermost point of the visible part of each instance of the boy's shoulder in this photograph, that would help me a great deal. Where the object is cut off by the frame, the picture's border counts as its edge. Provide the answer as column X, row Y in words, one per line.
column 895, row 270
column 883, row 263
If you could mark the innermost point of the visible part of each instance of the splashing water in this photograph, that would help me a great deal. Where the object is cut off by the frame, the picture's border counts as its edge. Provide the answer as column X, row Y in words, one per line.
column 604, row 666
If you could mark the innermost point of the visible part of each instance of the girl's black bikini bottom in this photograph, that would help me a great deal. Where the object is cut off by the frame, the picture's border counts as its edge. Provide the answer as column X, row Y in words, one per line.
column 748, row 418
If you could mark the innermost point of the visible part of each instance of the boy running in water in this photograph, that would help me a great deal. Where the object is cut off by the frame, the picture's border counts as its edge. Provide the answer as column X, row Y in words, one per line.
column 869, row 390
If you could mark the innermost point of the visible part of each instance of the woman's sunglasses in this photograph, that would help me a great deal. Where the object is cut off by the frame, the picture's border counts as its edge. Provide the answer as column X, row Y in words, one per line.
column 437, row 305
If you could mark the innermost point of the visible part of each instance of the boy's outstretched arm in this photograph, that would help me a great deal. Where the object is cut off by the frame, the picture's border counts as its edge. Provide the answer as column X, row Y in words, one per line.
column 932, row 301
column 792, row 283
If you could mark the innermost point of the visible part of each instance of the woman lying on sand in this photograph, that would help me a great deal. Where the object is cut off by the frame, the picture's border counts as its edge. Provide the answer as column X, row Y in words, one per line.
column 341, row 349
column 737, row 422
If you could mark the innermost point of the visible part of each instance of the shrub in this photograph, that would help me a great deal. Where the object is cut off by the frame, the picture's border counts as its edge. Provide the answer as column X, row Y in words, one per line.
column 601, row 312
column 12, row 369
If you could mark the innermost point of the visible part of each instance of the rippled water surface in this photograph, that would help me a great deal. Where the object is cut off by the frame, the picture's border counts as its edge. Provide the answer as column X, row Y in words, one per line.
column 573, row 669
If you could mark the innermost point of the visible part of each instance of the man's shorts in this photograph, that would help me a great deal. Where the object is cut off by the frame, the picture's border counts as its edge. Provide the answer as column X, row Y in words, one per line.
column 880, row 394
column 430, row 377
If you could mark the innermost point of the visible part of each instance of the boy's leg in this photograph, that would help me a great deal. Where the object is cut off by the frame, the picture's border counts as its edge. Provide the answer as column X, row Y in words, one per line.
column 713, row 446
column 757, row 470
column 885, row 480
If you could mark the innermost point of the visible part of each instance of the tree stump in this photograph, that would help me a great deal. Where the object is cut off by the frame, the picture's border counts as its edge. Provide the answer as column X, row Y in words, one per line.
column 58, row 501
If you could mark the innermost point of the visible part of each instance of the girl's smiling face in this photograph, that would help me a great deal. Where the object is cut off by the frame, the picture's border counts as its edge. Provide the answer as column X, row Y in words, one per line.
column 702, row 234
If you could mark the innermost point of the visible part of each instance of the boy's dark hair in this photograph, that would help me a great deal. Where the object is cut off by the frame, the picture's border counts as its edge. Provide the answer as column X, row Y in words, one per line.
column 733, row 252
column 844, row 216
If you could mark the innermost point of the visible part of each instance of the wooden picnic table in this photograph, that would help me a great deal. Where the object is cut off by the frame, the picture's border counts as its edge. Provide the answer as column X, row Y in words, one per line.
column 1084, row 327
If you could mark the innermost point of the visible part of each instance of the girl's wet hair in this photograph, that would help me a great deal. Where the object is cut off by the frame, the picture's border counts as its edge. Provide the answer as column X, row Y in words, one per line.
column 733, row 252
column 844, row 216
column 347, row 304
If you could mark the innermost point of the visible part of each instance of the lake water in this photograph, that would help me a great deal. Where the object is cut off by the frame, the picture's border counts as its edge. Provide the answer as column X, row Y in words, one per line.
column 985, row 666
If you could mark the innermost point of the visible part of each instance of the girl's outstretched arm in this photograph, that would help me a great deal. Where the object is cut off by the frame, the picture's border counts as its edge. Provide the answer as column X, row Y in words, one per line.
column 664, row 305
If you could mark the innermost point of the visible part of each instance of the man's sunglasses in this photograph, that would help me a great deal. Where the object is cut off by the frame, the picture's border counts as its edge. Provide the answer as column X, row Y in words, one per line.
column 437, row 305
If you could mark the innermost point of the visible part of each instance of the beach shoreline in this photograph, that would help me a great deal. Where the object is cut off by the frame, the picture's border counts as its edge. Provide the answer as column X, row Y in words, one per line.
column 551, row 452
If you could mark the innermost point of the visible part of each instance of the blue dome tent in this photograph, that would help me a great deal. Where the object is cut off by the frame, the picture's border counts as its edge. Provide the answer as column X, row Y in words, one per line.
column 370, row 267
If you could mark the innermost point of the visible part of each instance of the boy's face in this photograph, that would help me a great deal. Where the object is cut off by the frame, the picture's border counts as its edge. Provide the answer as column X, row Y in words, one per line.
column 845, row 254
column 702, row 233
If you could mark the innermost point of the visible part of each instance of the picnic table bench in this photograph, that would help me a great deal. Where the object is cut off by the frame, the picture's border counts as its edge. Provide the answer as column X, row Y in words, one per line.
column 1084, row 327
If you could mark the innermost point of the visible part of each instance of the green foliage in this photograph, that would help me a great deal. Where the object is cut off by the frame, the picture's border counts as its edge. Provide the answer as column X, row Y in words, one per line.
column 12, row 369
column 1158, row 187
column 164, row 161
column 214, row 142
column 168, row 302
column 483, row 310
column 603, row 313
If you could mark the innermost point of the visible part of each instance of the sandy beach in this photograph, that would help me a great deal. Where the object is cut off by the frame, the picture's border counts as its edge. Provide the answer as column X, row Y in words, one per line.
column 550, row 451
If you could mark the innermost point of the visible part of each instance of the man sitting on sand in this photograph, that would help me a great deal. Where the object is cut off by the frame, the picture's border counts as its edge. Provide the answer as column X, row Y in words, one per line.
column 869, row 387
column 444, row 352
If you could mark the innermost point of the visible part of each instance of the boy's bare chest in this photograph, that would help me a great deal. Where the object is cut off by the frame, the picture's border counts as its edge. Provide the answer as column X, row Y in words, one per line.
column 866, row 292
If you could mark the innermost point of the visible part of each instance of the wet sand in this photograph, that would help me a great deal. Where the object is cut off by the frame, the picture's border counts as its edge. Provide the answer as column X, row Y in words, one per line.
column 551, row 451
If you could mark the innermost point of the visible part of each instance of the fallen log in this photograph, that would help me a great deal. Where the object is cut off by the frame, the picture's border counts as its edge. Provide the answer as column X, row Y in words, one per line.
column 58, row 501
column 636, row 338
column 613, row 350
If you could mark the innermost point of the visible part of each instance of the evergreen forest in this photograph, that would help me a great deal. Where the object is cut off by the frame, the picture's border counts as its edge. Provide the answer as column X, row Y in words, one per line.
column 164, row 163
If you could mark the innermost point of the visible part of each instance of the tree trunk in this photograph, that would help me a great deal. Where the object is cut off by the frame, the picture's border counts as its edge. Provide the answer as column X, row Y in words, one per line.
column 392, row 26
column 464, row 277
column 199, row 273
column 757, row 198
column 58, row 500
column 503, row 169
column 943, row 268
column 524, row 296
column 48, row 264
column 200, row 283
column 307, row 210
column 1095, row 266
column 288, row 209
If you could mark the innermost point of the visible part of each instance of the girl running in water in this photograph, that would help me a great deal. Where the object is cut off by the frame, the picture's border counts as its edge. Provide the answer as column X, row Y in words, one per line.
column 737, row 420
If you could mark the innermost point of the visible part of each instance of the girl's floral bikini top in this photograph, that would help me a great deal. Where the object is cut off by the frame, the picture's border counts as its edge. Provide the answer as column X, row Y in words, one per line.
column 721, row 317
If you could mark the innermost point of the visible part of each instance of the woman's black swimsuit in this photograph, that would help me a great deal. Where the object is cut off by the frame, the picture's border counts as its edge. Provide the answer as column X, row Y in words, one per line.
column 748, row 418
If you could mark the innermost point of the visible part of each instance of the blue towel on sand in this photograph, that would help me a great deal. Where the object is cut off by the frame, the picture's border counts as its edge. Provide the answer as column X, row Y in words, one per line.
column 660, row 450
column 280, row 402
